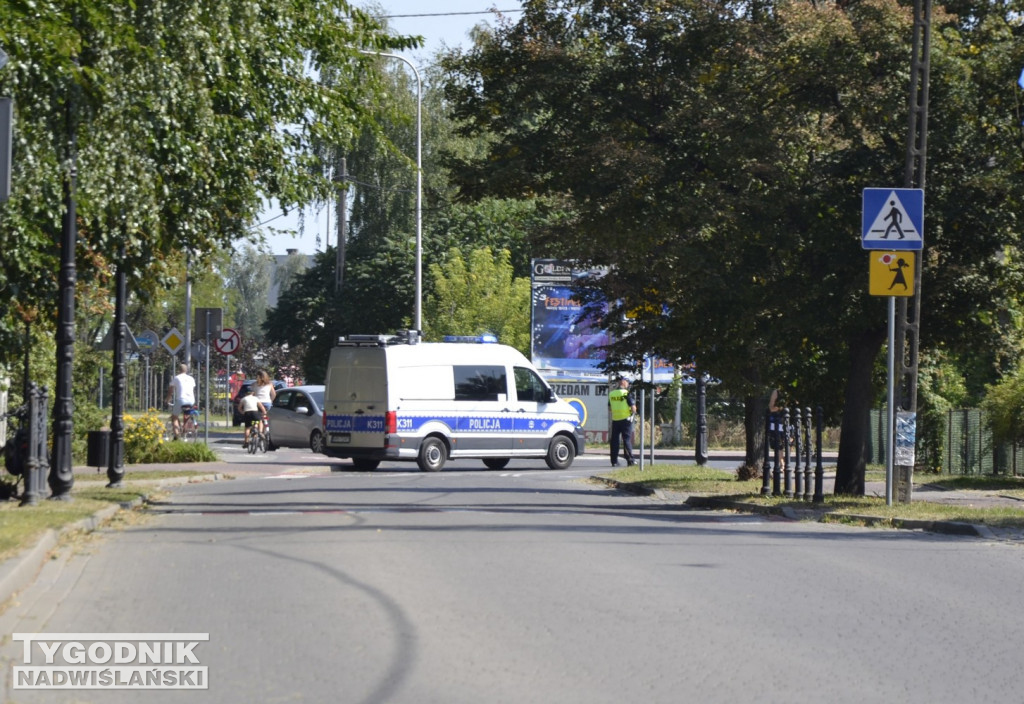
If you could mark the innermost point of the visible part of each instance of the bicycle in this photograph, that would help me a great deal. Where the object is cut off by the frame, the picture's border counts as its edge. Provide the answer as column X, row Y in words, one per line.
column 259, row 437
column 189, row 423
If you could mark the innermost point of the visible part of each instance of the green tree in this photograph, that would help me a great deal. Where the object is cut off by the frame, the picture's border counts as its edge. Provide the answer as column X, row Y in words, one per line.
column 715, row 154
column 249, row 283
column 476, row 295
column 306, row 317
column 181, row 119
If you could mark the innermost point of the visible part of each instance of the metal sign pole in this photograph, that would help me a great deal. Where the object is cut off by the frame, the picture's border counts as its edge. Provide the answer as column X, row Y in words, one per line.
column 206, row 406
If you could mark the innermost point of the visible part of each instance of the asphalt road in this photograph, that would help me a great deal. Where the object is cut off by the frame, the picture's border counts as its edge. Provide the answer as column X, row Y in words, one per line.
column 527, row 585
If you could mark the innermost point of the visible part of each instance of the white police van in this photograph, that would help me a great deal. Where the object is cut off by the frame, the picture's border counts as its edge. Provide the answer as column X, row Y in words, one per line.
column 396, row 398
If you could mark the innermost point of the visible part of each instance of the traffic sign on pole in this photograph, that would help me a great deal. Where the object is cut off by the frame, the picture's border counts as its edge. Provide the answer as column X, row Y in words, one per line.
column 147, row 342
column 228, row 342
column 891, row 274
column 173, row 341
column 892, row 218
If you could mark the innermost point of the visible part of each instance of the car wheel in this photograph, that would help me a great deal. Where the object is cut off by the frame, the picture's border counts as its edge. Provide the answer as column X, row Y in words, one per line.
column 561, row 453
column 364, row 465
column 316, row 441
column 495, row 462
column 432, row 455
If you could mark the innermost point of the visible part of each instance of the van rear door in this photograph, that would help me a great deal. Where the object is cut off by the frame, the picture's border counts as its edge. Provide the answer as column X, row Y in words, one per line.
column 356, row 399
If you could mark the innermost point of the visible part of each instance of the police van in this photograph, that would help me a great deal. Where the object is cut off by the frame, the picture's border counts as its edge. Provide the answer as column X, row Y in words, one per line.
column 396, row 398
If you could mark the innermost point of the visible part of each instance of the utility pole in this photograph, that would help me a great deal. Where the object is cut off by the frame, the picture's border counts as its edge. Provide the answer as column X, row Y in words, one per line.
column 908, row 313
column 342, row 219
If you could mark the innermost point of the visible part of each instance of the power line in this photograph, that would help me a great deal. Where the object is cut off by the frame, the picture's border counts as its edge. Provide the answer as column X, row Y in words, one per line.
column 446, row 14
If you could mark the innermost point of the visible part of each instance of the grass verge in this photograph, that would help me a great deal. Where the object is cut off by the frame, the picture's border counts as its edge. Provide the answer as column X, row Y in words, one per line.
column 691, row 479
column 22, row 526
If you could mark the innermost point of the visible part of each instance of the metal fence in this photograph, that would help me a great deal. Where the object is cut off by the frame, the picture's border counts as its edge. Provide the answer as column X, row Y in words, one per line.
column 967, row 446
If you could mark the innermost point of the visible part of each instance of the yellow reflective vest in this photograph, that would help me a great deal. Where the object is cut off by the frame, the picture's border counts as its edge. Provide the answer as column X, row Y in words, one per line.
column 618, row 402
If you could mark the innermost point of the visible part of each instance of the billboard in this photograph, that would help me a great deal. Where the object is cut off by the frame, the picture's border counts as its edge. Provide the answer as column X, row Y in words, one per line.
column 564, row 339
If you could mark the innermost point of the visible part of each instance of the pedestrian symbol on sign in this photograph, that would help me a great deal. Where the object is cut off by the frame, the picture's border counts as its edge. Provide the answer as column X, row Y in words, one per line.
column 892, row 218
column 891, row 274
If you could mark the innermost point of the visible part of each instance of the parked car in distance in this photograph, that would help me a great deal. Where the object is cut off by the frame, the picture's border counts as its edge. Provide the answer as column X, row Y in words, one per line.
column 296, row 418
column 236, row 417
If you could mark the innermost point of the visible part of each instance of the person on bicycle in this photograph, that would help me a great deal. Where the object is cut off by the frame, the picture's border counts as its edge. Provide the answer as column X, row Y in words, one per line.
column 182, row 395
column 264, row 388
column 253, row 411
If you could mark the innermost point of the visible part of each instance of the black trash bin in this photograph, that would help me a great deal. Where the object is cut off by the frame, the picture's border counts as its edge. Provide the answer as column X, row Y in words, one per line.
column 98, row 448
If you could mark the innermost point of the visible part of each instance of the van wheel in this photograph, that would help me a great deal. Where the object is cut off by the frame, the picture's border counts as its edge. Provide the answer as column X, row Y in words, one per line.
column 364, row 465
column 495, row 462
column 316, row 441
column 432, row 455
column 561, row 453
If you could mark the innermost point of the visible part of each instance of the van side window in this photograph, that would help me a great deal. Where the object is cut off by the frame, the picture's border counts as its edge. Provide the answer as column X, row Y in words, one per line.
column 479, row 383
column 529, row 386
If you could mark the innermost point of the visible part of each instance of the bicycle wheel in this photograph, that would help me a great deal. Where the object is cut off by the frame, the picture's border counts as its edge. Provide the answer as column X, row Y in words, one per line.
column 191, row 431
column 262, row 441
column 254, row 438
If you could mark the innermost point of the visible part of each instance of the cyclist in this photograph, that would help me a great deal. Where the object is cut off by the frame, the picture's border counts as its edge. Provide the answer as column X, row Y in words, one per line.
column 253, row 411
column 182, row 395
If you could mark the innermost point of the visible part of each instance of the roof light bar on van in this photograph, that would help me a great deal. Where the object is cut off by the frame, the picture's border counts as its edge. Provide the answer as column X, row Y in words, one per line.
column 406, row 337
column 486, row 338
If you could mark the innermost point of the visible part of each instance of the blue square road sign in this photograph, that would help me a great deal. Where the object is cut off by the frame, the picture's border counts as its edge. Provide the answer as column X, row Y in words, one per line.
column 892, row 218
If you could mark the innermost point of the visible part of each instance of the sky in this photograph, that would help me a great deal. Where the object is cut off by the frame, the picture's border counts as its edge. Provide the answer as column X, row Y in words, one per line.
column 440, row 23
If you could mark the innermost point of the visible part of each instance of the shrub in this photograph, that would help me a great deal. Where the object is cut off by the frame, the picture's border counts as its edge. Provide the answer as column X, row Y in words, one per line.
column 179, row 451
column 746, row 472
column 143, row 436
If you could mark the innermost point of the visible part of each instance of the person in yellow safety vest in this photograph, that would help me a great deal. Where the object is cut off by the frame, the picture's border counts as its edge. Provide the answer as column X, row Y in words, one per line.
column 622, row 407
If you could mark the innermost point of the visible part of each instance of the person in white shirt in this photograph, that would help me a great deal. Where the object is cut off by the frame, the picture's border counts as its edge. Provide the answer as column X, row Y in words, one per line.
column 252, row 410
column 264, row 388
column 181, row 394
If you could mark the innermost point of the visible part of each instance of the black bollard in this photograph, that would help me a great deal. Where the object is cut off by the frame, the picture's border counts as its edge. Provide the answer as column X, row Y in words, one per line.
column 819, row 473
column 807, row 453
column 788, row 466
column 36, row 466
column 797, row 474
column 777, row 468
column 766, row 465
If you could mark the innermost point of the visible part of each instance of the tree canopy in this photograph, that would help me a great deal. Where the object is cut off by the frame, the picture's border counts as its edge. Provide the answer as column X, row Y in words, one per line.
column 714, row 154
column 179, row 119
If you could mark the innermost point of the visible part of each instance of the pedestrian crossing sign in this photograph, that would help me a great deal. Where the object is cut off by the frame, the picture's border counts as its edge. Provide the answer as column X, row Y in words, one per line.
column 893, row 218
column 891, row 273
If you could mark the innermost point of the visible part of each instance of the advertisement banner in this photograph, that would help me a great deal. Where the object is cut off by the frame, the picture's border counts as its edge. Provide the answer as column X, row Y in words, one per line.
column 564, row 339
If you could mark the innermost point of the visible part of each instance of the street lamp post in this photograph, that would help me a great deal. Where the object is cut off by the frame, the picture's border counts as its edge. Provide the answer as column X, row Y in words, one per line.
column 418, row 324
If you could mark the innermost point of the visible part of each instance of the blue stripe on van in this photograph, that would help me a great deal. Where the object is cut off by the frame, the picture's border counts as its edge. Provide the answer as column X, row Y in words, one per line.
column 354, row 424
column 409, row 423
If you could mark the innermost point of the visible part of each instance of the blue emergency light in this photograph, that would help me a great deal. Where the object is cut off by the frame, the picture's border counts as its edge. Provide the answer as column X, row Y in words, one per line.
column 485, row 338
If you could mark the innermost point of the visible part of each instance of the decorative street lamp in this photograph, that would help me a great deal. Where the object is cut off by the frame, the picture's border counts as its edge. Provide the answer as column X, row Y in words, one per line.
column 61, row 477
column 418, row 324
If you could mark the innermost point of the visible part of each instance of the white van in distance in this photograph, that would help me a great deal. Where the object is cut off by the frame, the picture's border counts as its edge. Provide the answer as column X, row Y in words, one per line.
column 395, row 398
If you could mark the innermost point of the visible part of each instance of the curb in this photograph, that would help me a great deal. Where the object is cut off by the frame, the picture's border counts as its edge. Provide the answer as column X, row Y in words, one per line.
column 19, row 572
column 820, row 516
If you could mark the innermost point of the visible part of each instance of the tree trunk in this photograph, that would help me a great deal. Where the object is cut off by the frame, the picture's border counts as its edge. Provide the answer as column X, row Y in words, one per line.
column 754, row 410
column 853, row 438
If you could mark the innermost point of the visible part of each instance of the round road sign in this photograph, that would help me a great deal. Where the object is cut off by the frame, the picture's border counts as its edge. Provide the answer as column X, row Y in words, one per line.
column 229, row 341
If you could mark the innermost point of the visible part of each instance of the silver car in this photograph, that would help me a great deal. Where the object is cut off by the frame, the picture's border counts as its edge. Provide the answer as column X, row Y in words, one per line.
column 296, row 418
